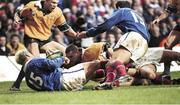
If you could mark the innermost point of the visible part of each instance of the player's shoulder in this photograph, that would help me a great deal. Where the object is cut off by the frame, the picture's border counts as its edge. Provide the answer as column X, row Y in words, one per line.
column 57, row 11
column 123, row 10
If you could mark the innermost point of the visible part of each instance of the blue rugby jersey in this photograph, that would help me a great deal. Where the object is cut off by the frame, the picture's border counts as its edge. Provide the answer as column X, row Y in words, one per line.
column 44, row 74
column 124, row 18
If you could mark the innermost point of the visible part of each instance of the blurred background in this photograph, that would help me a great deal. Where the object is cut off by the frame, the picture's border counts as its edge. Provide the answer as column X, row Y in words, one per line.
column 82, row 15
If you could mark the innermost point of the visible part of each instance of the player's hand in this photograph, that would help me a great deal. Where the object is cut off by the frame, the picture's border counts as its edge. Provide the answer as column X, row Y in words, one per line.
column 77, row 35
column 66, row 60
column 82, row 34
column 49, row 52
column 156, row 21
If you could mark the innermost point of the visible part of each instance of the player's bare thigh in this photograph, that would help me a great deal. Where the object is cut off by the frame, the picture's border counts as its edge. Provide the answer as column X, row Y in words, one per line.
column 122, row 55
column 53, row 46
column 169, row 55
column 90, row 68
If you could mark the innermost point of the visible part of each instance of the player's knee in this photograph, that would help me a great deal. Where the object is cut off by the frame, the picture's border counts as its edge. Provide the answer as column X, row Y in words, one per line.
column 111, row 66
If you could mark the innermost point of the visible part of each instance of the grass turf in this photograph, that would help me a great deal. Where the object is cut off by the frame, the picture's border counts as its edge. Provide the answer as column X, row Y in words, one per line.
column 164, row 94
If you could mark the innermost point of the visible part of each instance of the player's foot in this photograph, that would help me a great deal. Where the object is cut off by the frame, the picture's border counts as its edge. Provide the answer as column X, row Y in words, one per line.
column 14, row 89
column 103, row 86
column 121, row 80
column 176, row 81
column 166, row 79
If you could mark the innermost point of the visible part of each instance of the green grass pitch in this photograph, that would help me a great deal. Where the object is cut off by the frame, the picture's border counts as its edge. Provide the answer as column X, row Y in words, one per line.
column 161, row 94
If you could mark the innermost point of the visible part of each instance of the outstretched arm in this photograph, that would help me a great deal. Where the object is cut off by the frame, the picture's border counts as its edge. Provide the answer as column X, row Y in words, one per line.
column 170, row 9
column 54, row 63
column 116, row 18
column 161, row 17
column 67, row 30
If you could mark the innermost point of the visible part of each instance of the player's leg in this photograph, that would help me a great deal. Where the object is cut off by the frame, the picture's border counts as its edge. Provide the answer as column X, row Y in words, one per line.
column 172, row 40
column 53, row 46
column 114, row 69
column 90, row 69
column 167, row 57
column 17, row 83
column 143, row 75
column 32, row 45
column 120, row 56
column 77, row 76
column 130, row 47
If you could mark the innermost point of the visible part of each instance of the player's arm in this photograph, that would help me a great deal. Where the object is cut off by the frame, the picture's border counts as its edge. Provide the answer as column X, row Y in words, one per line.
column 22, row 12
column 161, row 17
column 108, row 24
column 67, row 30
column 54, row 63
column 17, row 17
column 63, row 26
column 169, row 10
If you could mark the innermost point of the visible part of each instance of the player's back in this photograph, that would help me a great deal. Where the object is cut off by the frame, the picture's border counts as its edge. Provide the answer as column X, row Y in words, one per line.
column 38, row 77
column 129, row 20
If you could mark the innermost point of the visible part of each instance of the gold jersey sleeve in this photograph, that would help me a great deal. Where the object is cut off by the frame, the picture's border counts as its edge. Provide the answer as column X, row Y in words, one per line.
column 93, row 52
column 60, row 19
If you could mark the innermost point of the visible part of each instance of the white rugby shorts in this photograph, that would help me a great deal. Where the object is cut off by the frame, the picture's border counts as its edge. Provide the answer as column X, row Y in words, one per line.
column 72, row 79
column 133, row 42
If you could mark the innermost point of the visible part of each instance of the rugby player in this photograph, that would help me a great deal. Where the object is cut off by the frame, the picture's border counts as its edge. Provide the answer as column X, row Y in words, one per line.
column 44, row 74
column 39, row 17
column 130, row 47
column 174, row 36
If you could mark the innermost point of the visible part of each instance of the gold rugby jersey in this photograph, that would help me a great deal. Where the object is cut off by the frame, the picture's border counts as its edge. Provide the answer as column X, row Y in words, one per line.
column 37, row 24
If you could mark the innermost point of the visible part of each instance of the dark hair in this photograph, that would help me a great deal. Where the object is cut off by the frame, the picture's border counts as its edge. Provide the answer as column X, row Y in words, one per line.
column 2, row 33
column 71, row 47
column 123, row 4
column 14, row 35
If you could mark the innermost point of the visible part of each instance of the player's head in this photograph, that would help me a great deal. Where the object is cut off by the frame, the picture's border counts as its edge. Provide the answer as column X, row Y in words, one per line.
column 22, row 56
column 73, row 53
column 50, row 5
column 123, row 4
